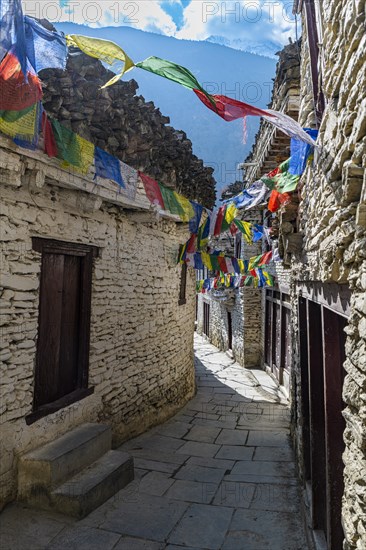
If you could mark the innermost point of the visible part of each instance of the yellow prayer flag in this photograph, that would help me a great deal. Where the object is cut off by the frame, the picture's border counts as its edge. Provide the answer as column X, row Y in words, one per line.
column 230, row 213
column 206, row 260
column 105, row 50
column 186, row 206
column 241, row 266
column 86, row 151
column 24, row 126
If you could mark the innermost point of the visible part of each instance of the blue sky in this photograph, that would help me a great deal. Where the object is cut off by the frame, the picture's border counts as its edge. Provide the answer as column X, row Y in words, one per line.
column 236, row 22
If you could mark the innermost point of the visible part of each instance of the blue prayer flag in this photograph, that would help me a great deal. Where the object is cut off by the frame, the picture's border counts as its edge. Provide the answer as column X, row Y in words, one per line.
column 12, row 31
column 45, row 49
column 258, row 232
column 198, row 264
column 107, row 166
column 194, row 222
column 300, row 152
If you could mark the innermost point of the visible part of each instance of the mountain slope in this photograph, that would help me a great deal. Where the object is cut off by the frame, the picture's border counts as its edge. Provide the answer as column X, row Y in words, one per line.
column 221, row 70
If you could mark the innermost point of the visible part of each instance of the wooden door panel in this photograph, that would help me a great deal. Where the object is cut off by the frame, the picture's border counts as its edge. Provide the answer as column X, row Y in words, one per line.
column 50, row 320
column 70, row 333
column 334, row 340
column 317, row 417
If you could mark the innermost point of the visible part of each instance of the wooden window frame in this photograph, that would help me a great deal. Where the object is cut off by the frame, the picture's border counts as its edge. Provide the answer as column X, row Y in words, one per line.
column 183, row 286
column 88, row 253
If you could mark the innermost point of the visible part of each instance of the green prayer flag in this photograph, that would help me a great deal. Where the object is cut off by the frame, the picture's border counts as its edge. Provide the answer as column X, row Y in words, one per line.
column 68, row 147
column 170, row 201
column 173, row 72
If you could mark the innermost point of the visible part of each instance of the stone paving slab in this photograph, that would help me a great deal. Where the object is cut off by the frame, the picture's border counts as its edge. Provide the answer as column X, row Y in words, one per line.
column 255, row 530
column 203, row 527
column 218, row 476
column 84, row 538
column 148, row 517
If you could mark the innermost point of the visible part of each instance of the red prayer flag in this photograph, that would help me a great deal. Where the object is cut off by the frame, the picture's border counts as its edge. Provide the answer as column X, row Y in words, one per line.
column 277, row 199
column 222, row 264
column 152, row 190
column 50, row 145
column 253, row 273
column 233, row 229
column 229, row 109
column 266, row 258
column 191, row 244
column 219, row 219
column 15, row 93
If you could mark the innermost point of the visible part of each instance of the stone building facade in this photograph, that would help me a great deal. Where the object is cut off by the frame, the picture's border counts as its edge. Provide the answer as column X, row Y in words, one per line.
column 313, row 337
column 113, row 260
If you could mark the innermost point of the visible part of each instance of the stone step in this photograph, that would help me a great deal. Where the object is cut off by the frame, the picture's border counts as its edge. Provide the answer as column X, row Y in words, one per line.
column 90, row 488
column 54, row 463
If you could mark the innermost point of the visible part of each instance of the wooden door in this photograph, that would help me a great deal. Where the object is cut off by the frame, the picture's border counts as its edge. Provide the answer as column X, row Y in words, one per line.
column 64, row 320
column 230, row 330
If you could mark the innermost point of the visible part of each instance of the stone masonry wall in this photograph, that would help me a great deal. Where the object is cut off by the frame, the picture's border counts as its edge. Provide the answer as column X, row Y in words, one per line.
column 141, row 358
column 333, row 222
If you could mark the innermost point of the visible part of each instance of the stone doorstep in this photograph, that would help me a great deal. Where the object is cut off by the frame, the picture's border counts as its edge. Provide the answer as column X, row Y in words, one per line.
column 93, row 486
column 57, row 461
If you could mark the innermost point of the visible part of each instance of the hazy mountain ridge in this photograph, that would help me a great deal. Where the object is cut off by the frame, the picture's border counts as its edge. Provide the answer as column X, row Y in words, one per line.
column 220, row 69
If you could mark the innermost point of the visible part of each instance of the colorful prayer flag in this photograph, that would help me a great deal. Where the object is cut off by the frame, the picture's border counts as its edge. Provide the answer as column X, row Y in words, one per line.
column 12, row 31
column 50, row 146
column 229, row 216
column 246, row 229
column 173, row 72
column 152, row 190
column 300, row 152
column 105, row 50
column 277, row 199
column 107, row 166
column 195, row 221
column 206, row 260
column 45, row 49
column 23, row 125
column 16, row 93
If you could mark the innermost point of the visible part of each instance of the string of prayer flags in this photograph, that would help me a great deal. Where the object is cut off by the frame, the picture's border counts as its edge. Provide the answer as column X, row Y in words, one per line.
column 300, row 152
column 45, row 49
column 173, row 72
column 170, row 200
column 107, row 166
column 104, row 50
column 230, row 109
column 12, row 31
column 152, row 190
column 258, row 279
column 16, row 93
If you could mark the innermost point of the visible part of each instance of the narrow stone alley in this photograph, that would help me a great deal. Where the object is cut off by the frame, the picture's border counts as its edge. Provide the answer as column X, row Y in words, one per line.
column 219, row 475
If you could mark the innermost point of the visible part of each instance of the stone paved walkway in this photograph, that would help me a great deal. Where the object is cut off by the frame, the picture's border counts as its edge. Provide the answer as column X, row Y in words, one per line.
column 219, row 476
